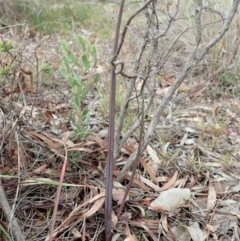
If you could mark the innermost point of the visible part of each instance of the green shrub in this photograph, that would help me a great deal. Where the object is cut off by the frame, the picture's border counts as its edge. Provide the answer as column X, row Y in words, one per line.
column 74, row 70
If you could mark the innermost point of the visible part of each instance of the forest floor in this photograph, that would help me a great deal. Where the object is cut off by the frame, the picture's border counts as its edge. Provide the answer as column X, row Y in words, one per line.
column 195, row 149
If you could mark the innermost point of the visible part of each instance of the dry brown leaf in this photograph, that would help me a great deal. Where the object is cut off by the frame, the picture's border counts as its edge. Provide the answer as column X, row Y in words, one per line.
column 153, row 154
column 127, row 229
column 162, row 91
column 184, row 88
column 146, row 181
column 142, row 210
column 31, row 79
column 236, row 231
column 51, row 145
column 118, row 195
column 149, row 170
column 212, row 197
column 170, row 182
column 96, row 139
column 135, row 180
column 164, row 222
column 128, row 149
column 138, row 182
column 168, row 79
column 114, row 219
column 180, row 183
column 100, row 195
column 52, row 172
column 150, row 233
column 75, row 232
column 40, row 169
column 143, row 225
column 213, row 228
column 162, row 179
column 181, row 233
column 146, row 201
column 195, row 232
column 48, row 117
column 22, row 158
column 211, row 128
column 116, row 236
column 82, row 149
column 154, row 162
column 97, row 205
column 199, row 205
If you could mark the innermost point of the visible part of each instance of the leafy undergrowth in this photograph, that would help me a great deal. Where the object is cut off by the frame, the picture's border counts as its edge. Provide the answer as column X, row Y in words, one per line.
column 195, row 149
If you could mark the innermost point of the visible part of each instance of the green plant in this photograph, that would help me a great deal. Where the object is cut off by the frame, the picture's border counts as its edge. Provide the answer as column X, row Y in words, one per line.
column 229, row 78
column 75, row 70
column 62, row 16
column 4, row 71
column 2, row 229
column 6, row 63
column 6, row 47
column 46, row 69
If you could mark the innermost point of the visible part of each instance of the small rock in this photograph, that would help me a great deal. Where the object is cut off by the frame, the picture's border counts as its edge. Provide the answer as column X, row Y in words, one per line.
column 103, row 133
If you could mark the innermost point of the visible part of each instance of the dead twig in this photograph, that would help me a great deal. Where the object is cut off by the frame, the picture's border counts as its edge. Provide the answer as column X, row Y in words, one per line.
column 13, row 224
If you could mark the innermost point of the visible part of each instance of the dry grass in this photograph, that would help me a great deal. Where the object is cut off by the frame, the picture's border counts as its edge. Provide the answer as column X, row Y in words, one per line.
column 197, row 137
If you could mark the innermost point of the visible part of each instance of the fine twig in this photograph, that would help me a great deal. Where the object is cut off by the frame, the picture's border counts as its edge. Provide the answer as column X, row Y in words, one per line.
column 138, row 155
column 130, row 89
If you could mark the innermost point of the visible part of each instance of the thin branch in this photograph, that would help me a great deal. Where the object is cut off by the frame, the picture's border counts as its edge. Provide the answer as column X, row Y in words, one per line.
column 110, row 161
column 130, row 88
column 138, row 155
column 126, row 27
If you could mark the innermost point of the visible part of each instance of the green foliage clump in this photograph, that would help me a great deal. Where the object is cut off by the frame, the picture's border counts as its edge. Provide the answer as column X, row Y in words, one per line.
column 228, row 79
column 46, row 69
column 5, row 71
column 6, row 47
column 74, row 70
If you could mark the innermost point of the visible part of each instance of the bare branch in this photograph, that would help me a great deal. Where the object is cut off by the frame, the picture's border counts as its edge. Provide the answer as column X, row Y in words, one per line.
column 194, row 59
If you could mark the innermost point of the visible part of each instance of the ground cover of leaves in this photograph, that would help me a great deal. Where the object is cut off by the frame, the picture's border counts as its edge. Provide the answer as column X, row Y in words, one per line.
column 195, row 148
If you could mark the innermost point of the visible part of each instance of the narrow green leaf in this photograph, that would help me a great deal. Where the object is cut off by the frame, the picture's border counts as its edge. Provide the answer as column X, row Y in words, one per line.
column 5, row 233
column 66, row 62
column 94, row 55
column 96, row 78
column 64, row 73
column 81, row 42
column 86, row 63
column 75, row 75
column 65, row 47
column 73, row 58
column 77, row 101
column 74, row 83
